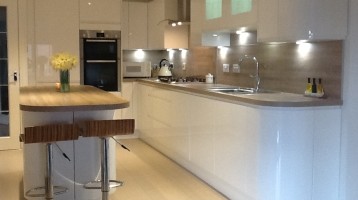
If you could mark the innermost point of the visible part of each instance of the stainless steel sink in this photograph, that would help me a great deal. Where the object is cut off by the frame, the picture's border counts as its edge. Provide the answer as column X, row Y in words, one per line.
column 232, row 90
column 237, row 90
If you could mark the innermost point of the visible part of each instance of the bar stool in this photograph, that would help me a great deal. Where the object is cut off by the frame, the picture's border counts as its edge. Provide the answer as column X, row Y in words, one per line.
column 49, row 134
column 104, row 129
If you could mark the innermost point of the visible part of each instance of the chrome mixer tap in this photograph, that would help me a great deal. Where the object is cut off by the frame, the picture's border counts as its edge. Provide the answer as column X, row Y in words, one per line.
column 256, row 76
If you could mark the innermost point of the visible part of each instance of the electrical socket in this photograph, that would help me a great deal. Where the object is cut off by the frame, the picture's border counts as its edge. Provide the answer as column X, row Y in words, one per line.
column 226, row 68
column 236, row 68
column 183, row 67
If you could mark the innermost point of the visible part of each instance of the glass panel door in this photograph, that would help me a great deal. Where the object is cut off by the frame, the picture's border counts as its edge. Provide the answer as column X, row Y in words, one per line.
column 4, row 99
column 9, row 59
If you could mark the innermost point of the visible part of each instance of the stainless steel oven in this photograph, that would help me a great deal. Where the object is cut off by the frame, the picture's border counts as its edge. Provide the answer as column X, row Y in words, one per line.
column 100, row 59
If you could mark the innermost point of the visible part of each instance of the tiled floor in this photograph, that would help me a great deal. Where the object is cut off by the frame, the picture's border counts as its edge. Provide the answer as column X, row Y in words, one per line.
column 148, row 175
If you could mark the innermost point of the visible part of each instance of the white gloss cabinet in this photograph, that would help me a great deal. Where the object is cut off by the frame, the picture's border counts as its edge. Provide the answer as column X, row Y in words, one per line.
column 100, row 14
column 52, row 28
column 292, row 20
column 246, row 152
column 134, row 25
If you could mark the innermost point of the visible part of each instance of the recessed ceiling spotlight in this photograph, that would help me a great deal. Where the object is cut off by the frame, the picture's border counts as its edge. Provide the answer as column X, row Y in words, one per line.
column 215, row 35
column 89, row 3
column 180, row 23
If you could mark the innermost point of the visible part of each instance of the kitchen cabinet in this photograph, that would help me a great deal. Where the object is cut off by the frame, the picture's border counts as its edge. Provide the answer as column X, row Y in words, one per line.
column 161, row 35
column 52, row 28
column 134, row 24
column 221, row 17
column 128, row 92
column 292, row 20
column 100, row 15
column 242, row 150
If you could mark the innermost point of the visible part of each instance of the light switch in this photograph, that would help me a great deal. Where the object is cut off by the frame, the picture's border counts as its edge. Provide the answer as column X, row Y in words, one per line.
column 236, row 68
column 226, row 68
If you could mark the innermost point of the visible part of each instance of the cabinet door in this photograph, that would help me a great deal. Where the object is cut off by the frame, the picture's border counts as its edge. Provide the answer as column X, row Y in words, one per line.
column 134, row 25
column 100, row 15
column 127, row 93
column 292, row 20
column 55, row 29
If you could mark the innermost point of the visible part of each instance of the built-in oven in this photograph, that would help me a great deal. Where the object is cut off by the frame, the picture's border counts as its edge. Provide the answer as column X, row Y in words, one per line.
column 100, row 59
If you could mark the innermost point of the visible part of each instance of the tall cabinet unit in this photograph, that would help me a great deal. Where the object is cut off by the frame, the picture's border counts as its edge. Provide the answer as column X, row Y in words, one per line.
column 292, row 20
column 100, row 15
column 134, row 24
column 52, row 28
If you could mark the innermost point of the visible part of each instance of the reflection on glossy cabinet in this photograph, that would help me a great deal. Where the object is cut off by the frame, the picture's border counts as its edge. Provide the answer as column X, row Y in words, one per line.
column 100, row 15
column 52, row 28
column 134, row 24
column 292, row 20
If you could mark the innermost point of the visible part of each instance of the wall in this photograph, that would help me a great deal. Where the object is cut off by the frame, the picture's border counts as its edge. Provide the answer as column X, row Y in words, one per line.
column 197, row 61
column 284, row 67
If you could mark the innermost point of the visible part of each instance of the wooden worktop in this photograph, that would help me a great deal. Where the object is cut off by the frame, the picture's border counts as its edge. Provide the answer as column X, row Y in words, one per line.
column 80, row 98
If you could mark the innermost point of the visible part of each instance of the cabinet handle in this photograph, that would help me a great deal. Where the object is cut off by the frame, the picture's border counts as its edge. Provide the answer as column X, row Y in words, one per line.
column 15, row 76
column 94, row 40
column 101, row 61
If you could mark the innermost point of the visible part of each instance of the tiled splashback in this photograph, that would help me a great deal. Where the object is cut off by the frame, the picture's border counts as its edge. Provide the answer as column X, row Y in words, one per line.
column 283, row 67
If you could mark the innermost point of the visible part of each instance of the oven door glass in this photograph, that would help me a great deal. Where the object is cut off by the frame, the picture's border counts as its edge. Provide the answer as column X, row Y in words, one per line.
column 100, row 49
column 101, row 75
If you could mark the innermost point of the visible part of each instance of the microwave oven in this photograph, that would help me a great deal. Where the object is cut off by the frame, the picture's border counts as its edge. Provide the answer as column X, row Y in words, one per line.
column 137, row 69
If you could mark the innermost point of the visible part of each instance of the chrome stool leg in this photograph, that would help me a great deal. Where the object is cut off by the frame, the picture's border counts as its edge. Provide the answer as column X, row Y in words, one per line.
column 105, row 183
column 49, row 190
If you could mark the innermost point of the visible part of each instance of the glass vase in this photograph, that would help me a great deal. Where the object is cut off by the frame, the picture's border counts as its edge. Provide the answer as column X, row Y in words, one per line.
column 64, row 80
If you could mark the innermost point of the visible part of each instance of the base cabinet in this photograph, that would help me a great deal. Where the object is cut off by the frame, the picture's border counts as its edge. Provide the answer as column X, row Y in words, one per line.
column 245, row 152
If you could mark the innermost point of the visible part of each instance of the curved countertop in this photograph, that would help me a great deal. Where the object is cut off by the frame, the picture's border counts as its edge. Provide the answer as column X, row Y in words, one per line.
column 273, row 99
column 80, row 98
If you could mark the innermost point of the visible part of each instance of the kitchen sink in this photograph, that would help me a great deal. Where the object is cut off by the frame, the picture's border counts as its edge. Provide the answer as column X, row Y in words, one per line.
column 237, row 90
column 232, row 90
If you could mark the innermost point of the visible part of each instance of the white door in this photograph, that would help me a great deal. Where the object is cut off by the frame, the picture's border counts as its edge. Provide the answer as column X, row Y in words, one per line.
column 9, row 85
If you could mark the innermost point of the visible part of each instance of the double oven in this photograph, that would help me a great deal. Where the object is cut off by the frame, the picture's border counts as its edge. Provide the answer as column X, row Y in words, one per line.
column 100, row 59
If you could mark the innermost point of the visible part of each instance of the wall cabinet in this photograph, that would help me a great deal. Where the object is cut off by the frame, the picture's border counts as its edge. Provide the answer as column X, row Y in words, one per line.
column 100, row 15
column 225, row 17
column 134, row 24
column 245, row 152
column 292, row 20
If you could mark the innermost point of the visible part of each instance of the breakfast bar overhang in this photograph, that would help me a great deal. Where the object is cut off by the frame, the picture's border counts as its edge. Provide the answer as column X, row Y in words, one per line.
column 41, row 105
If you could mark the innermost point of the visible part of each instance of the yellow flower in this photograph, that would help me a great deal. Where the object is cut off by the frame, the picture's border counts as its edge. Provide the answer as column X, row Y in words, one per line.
column 63, row 61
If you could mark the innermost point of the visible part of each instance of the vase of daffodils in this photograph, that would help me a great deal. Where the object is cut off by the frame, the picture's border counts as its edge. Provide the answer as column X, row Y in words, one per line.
column 64, row 62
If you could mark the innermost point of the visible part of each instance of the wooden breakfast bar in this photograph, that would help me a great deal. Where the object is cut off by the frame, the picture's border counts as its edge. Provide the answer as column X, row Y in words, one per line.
column 41, row 105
